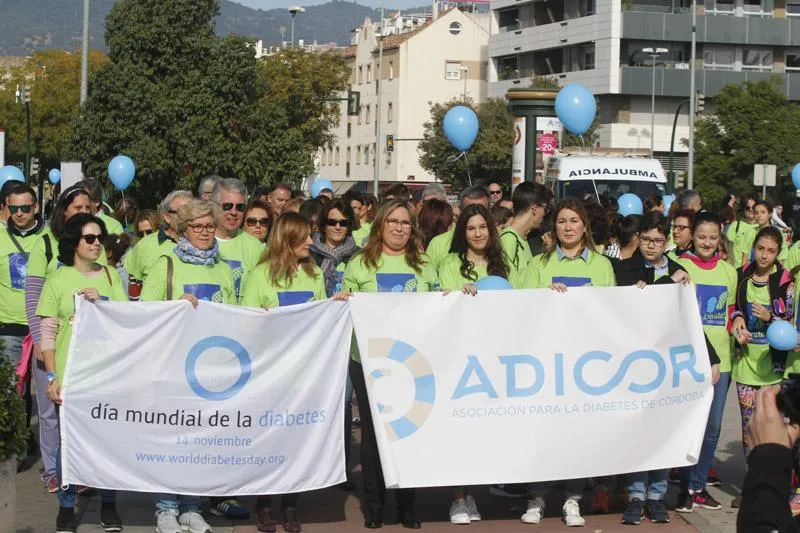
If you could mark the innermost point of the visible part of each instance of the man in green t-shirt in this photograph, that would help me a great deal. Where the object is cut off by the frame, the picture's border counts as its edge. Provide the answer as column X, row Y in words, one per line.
column 240, row 250
column 16, row 241
column 531, row 204
column 141, row 258
column 439, row 246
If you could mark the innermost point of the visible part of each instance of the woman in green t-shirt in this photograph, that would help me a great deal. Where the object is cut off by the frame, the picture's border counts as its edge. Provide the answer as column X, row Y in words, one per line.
column 79, row 249
column 391, row 261
column 762, row 213
column 476, row 251
column 765, row 292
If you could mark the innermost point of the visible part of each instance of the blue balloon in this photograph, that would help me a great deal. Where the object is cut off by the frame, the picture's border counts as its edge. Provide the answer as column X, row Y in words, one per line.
column 576, row 108
column 493, row 283
column 54, row 176
column 668, row 199
column 630, row 204
column 9, row 173
column 781, row 335
column 121, row 171
column 461, row 127
column 796, row 175
column 320, row 184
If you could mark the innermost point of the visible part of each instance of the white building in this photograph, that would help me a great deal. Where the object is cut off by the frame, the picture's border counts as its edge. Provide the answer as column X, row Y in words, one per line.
column 610, row 45
column 424, row 61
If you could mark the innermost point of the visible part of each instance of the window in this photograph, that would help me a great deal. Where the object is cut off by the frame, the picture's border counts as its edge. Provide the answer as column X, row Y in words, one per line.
column 718, row 58
column 792, row 10
column 349, row 129
column 452, row 70
column 588, row 57
column 753, row 6
column 760, row 60
column 366, row 154
column 793, row 60
column 455, row 28
column 337, row 155
column 720, row 6
column 358, row 154
column 367, row 121
column 347, row 163
column 360, row 74
column 369, row 74
column 389, row 113
column 391, row 70
column 360, row 114
column 590, row 7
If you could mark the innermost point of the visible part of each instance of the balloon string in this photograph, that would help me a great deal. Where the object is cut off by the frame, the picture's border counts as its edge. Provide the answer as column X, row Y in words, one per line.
column 466, row 163
column 124, row 209
column 583, row 142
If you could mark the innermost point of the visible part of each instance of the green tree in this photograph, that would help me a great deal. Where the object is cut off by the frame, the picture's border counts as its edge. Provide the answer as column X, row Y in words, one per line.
column 489, row 159
column 754, row 123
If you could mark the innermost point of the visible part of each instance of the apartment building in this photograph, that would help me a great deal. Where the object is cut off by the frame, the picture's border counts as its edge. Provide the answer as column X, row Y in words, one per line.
column 627, row 50
column 425, row 59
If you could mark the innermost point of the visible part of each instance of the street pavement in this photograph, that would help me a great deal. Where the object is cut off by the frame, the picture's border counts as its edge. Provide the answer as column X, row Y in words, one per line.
column 334, row 510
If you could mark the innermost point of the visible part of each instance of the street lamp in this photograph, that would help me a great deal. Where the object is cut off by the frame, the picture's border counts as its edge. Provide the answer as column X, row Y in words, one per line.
column 464, row 71
column 653, row 53
column 294, row 10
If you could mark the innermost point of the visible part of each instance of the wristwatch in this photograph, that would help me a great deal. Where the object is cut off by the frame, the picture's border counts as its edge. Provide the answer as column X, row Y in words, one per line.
column 51, row 376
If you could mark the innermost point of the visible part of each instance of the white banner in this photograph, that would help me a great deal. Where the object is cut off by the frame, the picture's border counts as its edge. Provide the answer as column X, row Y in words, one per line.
column 519, row 386
column 218, row 400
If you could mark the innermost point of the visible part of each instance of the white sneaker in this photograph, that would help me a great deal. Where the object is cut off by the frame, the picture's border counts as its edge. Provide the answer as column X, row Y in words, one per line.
column 571, row 512
column 535, row 511
column 472, row 508
column 167, row 522
column 193, row 522
column 458, row 512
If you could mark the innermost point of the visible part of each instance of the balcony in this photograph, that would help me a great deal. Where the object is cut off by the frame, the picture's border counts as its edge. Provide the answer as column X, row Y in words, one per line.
column 675, row 82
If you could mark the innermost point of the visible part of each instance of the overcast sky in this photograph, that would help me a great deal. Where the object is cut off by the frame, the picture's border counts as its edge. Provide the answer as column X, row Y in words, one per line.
column 390, row 4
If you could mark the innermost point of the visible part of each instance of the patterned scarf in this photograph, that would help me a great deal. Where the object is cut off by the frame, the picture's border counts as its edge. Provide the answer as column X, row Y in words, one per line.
column 188, row 253
column 331, row 257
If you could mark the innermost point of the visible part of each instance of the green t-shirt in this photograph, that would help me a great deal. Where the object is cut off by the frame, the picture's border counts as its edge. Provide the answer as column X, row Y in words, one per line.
column 392, row 275
column 258, row 290
column 518, row 256
column 113, row 226
column 58, row 301
column 13, row 271
column 146, row 252
column 362, row 234
column 754, row 367
column 793, row 256
column 450, row 277
column 588, row 269
column 716, row 291
column 210, row 283
column 746, row 243
column 742, row 234
column 439, row 247
column 242, row 254
column 38, row 266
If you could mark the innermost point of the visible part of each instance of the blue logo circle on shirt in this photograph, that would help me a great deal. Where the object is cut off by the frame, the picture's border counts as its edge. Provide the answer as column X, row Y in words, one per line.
column 218, row 342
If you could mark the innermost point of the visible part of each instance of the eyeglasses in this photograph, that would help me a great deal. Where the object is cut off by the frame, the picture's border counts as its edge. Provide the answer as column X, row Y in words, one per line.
column 90, row 238
column 343, row 223
column 394, row 223
column 227, row 206
column 496, row 192
column 680, row 227
column 252, row 221
column 23, row 208
column 200, row 228
column 141, row 234
column 545, row 207
column 658, row 241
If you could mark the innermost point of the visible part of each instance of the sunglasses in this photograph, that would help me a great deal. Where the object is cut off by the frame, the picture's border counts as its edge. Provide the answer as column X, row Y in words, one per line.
column 141, row 234
column 24, row 208
column 252, row 221
column 227, row 206
column 495, row 192
column 90, row 238
column 332, row 223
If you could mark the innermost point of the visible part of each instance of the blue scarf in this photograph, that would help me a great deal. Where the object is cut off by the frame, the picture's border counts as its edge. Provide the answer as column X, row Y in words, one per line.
column 188, row 253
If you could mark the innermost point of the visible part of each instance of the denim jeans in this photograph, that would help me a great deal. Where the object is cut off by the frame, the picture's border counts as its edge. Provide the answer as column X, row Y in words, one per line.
column 175, row 504
column 650, row 485
column 48, row 421
column 695, row 477
column 573, row 488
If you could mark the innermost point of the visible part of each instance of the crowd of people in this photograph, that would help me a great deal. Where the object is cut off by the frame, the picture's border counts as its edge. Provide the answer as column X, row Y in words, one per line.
column 273, row 247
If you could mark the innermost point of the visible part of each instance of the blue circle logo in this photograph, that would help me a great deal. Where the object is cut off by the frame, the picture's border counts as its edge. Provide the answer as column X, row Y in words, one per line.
column 218, row 342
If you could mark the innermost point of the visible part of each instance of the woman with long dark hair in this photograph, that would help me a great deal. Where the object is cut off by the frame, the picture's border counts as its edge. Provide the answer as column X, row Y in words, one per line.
column 435, row 218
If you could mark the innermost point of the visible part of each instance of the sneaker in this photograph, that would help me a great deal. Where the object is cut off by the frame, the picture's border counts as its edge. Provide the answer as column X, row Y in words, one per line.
column 458, row 512
column 52, row 484
column 472, row 508
column 704, row 500
column 685, row 502
column 193, row 522
column 535, row 511
column 507, row 491
column 794, row 503
column 571, row 513
column 109, row 519
column 231, row 509
column 600, row 502
column 713, row 480
column 633, row 512
column 656, row 511
column 167, row 522
column 65, row 521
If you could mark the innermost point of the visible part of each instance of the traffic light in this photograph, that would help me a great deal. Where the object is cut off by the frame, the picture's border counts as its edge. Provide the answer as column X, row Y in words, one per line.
column 700, row 103
column 34, row 166
column 389, row 144
column 23, row 94
column 353, row 103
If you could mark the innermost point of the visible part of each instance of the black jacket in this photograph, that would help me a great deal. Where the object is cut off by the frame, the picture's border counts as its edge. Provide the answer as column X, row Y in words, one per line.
column 632, row 270
column 767, row 487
